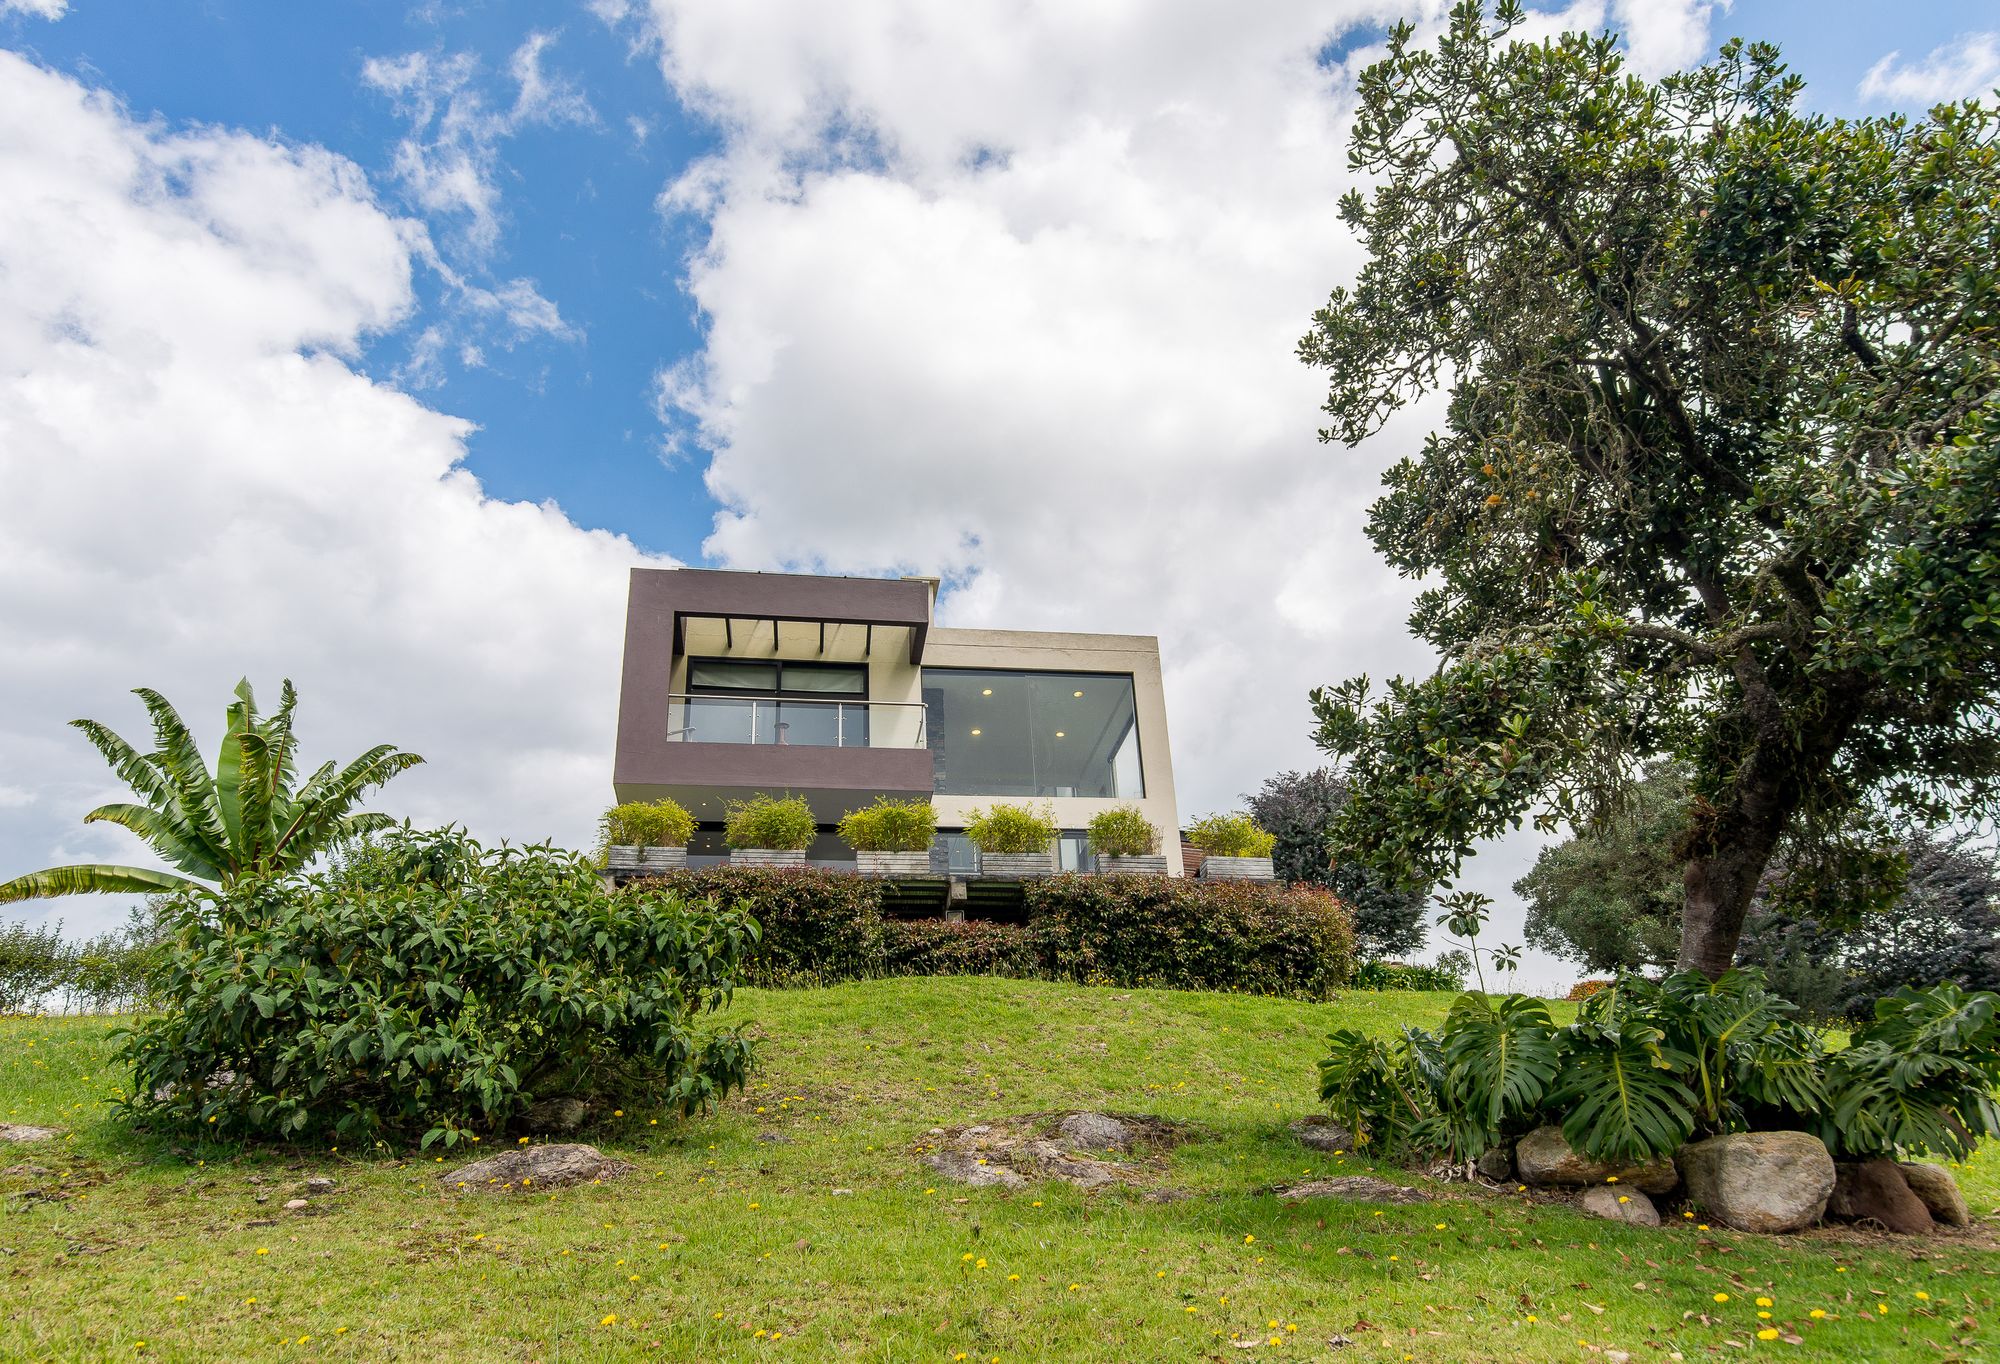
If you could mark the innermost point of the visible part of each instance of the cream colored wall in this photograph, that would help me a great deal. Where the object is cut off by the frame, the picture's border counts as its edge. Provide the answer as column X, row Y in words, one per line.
column 1043, row 651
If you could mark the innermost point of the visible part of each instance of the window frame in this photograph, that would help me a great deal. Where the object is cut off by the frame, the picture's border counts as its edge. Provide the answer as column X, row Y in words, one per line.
column 1131, row 679
column 778, row 690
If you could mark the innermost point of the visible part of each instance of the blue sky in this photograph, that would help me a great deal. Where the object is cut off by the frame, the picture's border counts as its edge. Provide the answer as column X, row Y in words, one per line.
column 371, row 344
column 573, row 418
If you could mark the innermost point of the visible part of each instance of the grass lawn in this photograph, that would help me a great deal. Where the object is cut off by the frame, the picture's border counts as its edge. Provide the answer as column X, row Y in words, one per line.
column 725, row 1246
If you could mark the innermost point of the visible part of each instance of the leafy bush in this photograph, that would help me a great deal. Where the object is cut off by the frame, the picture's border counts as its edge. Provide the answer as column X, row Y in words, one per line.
column 42, row 971
column 1123, row 832
column 817, row 926
column 1003, row 828
column 1400, row 975
column 1584, row 989
column 768, row 822
column 646, row 824
column 1649, row 1065
column 432, row 988
column 1235, row 835
column 33, row 962
column 942, row 947
column 1181, row 934
column 890, row 826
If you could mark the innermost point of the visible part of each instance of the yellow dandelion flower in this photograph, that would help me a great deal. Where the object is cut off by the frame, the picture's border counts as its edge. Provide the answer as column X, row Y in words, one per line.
column 1765, row 1302
column 609, row 1318
column 980, row 1264
column 262, row 1250
column 180, row 1297
column 966, row 1256
column 1013, row 1278
column 1073, row 1287
column 1722, row 1297
column 1883, row 1308
column 1817, row 1313
column 1763, row 1316
column 1923, row 1296
column 1249, row 1240
column 1768, row 1333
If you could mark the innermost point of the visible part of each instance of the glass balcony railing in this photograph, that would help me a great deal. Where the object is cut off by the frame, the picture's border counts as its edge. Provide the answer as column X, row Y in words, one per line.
column 780, row 721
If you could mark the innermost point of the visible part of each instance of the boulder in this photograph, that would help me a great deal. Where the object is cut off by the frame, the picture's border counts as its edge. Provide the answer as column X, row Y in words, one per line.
column 1939, row 1191
column 966, row 1168
column 1604, row 1200
column 1094, row 1132
column 319, row 1184
column 1875, row 1191
column 20, row 1131
column 1544, row 1157
column 1355, row 1189
column 544, row 1167
column 1323, row 1134
column 1496, row 1164
column 1769, row 1182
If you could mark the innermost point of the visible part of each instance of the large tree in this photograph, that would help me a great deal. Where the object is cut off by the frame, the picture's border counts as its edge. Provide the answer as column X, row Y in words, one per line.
column 1299, row 809
column 1716, row 473
column 249, row 817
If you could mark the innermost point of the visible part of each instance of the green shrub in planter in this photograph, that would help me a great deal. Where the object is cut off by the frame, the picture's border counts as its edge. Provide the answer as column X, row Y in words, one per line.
column 768, row 822
column 816, row 927
column 646, row 824
column 429, row 990
column 1251, row 937
column 890, row 826
column 942, row 947
column 1234, row 835
column 1123, row 832
column 1003, row 828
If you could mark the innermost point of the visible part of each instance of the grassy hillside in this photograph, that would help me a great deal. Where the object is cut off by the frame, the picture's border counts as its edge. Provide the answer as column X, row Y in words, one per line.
column 725, row 1246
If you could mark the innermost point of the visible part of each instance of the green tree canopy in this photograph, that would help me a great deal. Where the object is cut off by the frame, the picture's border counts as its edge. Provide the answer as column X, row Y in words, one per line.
column 247, row 818
column 1715, row 479
column 1299, row 809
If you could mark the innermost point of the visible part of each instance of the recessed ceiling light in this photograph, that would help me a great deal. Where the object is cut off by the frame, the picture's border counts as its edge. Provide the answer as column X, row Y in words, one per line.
column 989, row 692
column 1076, row 693
column 975, row 734
column 1059, row 734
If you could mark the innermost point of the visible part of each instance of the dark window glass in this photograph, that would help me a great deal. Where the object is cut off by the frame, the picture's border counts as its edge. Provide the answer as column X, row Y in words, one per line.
column 714, row 674
column 817, row 677
column 1011, row 733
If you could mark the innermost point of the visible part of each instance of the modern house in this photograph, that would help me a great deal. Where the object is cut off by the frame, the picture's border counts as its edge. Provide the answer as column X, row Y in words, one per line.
column 841, row 690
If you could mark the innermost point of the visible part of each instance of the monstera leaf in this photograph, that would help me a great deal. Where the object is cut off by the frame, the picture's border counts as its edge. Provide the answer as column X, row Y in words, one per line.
column 1500, row 1057
column 1623, row 1097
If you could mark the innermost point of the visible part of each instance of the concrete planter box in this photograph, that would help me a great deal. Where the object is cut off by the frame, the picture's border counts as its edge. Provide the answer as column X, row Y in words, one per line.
column 767, row 857
column 628, row 860
column 1017, row 866
column 1237, row 869
column 893, row 863
column 1146, row 864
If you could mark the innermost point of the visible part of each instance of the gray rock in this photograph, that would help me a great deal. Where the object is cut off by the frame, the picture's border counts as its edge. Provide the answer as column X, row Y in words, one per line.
column 1544, row 1157
column 1323, row 1134
column 1355, row 1189
column 294, row 1204
column 1605, row 1200
column 546, row 1167
column 1875, row 1191
column 966, row 1168
column 1770, row 1182
column 319, row 1184
column 1095, row 1132
column 1496, row 1163
column 20, row 1131
column 1939, row 1192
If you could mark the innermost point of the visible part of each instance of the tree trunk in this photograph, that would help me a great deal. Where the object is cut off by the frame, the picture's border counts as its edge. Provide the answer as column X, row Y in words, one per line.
column 1725, row 864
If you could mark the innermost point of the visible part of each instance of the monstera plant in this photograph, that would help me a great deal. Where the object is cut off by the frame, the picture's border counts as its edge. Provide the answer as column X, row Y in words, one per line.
column 249, row 817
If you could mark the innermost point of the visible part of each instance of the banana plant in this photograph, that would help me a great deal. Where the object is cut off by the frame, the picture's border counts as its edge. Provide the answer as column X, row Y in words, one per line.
column 247, row 818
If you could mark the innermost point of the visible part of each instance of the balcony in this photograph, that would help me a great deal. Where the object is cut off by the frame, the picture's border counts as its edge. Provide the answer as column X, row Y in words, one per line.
column 791, row 722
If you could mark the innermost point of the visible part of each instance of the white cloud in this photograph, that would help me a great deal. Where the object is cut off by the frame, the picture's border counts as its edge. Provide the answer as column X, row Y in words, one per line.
column 199, row 486
column 1010, row 292
column 1968, row 67
column 39, row 9
column 450, row 161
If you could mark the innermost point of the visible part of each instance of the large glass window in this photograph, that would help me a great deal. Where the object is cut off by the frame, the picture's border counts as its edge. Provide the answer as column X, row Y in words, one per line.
column 1011, row 733
column 774, row 701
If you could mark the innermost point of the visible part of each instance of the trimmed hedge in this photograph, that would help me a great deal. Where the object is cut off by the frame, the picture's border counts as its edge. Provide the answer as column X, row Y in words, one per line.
column 818, row 926
column 1402, row 975
column 1180, row 934
column 944, row 947
column 821, row 927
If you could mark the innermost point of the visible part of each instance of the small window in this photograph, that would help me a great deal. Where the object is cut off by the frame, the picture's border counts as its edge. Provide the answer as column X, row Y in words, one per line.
column 820, row 679
column 723, row 675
